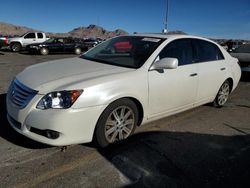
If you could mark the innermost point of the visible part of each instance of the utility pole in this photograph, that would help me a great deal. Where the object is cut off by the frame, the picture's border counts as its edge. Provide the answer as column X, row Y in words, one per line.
column 165, row 30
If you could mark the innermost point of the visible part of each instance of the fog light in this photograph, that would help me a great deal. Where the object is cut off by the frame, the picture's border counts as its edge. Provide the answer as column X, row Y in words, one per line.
column 52, row 134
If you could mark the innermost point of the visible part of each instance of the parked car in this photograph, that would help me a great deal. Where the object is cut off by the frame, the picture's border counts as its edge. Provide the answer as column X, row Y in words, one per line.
column 122, row 46
column 58, row 45
column 243, row 55
column 232, row 45
column 3, row 41
column 18, row 43
column 91, row 42
column 104, row 94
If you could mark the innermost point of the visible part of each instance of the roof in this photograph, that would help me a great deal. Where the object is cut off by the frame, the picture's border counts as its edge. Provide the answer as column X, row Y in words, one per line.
column 170, row 36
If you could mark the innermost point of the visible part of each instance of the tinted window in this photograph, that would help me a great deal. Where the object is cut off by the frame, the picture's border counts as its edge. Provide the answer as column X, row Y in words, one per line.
column 180, row 49
column 40, row 35
column 206, row 51
column 68, row 41
column 30, row 36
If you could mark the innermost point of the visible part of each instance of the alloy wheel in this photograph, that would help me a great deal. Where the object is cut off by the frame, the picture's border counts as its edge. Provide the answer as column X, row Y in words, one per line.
column 119, row 124
column 223, row 94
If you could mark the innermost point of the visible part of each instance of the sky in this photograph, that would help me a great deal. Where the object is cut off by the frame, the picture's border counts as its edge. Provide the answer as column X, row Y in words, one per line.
column 207, row 18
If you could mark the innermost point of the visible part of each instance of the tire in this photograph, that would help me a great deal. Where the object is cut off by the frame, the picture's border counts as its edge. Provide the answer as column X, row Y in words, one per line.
column 44, row 51
column 117, row 122
column 222, row 95
column 78, row 51
column 16, row 47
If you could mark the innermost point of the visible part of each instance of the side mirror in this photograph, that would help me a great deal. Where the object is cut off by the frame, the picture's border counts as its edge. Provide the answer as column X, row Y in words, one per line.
column 165, row 63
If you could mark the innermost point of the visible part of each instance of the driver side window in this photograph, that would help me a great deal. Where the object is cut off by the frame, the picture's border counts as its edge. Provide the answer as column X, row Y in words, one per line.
column 30, row 36
column 180, row 49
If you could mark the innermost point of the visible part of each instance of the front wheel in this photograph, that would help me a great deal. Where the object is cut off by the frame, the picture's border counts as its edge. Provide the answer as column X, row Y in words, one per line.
column 117, row 122
column 222, row 95
column 44, row 51
column 78, row 51
column 16, row 47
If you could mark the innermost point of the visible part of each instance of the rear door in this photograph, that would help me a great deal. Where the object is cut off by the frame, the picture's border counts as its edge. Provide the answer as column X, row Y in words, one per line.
column 172, row 90
column 69, row 45
column 211, row 67
column 40, row 38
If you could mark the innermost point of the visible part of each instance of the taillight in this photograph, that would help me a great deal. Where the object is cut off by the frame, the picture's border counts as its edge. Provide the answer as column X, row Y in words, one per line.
column 6, row 40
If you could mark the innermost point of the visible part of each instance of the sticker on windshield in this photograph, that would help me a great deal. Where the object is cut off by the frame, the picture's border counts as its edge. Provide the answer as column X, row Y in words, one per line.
column 151, row 39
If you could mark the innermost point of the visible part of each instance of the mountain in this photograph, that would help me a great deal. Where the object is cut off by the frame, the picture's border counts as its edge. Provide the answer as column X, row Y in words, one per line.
column 13, row 30
column 80, row 32
column 95, row 31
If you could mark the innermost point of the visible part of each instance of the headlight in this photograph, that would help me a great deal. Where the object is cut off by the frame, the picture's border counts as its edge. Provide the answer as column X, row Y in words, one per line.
column 59, row 99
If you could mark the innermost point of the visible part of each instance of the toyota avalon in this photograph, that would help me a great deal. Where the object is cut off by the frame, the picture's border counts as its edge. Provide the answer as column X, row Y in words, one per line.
column 118, row 85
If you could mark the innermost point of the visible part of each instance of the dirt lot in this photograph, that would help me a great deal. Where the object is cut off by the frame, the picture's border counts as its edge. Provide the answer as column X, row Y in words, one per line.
column 203, row 147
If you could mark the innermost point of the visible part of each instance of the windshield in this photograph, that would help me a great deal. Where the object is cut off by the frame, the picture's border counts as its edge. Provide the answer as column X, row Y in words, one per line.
column 125, row 51
column 50, row 40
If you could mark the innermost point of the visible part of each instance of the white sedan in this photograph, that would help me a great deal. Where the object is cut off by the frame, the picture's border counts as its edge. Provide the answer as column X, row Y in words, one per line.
column 122, row 83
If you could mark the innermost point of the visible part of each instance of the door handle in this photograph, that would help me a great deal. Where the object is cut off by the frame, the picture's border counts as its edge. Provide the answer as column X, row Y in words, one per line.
column 194, row 74
column 222, row 69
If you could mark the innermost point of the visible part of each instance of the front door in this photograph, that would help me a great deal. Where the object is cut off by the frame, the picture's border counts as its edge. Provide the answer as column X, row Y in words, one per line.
column 172, row 90
column 29, row 38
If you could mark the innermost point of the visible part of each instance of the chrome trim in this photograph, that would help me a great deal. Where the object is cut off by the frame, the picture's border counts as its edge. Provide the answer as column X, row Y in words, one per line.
column 20, row 95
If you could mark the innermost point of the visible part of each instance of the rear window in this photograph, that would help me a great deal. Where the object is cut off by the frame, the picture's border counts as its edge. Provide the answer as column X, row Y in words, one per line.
column 40, row 35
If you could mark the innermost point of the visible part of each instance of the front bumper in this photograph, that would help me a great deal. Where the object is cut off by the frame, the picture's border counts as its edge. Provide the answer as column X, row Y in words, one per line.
column 74, row 126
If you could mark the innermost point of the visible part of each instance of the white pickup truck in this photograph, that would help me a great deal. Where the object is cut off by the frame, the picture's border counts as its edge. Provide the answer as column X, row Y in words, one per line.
column 17, row 43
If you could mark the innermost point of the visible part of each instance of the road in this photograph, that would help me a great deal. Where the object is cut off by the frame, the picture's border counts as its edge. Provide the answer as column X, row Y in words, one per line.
column 203, row 147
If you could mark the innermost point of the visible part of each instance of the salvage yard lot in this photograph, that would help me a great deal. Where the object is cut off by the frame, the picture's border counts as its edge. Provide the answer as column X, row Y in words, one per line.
column 203, row 147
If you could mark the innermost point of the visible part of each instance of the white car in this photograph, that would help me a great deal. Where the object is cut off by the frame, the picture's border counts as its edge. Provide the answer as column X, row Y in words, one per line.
column 121, row 83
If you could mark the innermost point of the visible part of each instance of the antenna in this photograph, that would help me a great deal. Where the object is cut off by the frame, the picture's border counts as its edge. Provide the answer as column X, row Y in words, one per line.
column 165, row 30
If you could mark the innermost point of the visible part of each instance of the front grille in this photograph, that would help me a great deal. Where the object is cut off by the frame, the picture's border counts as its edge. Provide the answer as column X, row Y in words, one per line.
column 20, row 95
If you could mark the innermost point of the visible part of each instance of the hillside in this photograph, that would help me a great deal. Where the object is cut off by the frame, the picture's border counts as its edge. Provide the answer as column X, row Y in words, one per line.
column 80, row 32
column 13, row 30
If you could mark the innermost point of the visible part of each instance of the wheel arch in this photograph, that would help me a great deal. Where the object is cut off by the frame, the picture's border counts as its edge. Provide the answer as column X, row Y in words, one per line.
column 15, row 42
column 139, row 108
column 137, row 103
column 231, row 82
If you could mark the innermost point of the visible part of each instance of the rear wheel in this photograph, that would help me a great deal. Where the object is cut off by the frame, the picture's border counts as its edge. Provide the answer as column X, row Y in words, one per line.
column 222, row 95
column 16, row 47
column 117, row 122
column 44, row 51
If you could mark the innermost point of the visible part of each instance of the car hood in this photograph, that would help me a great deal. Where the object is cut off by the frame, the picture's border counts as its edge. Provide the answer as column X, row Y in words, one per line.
column 53, row 75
